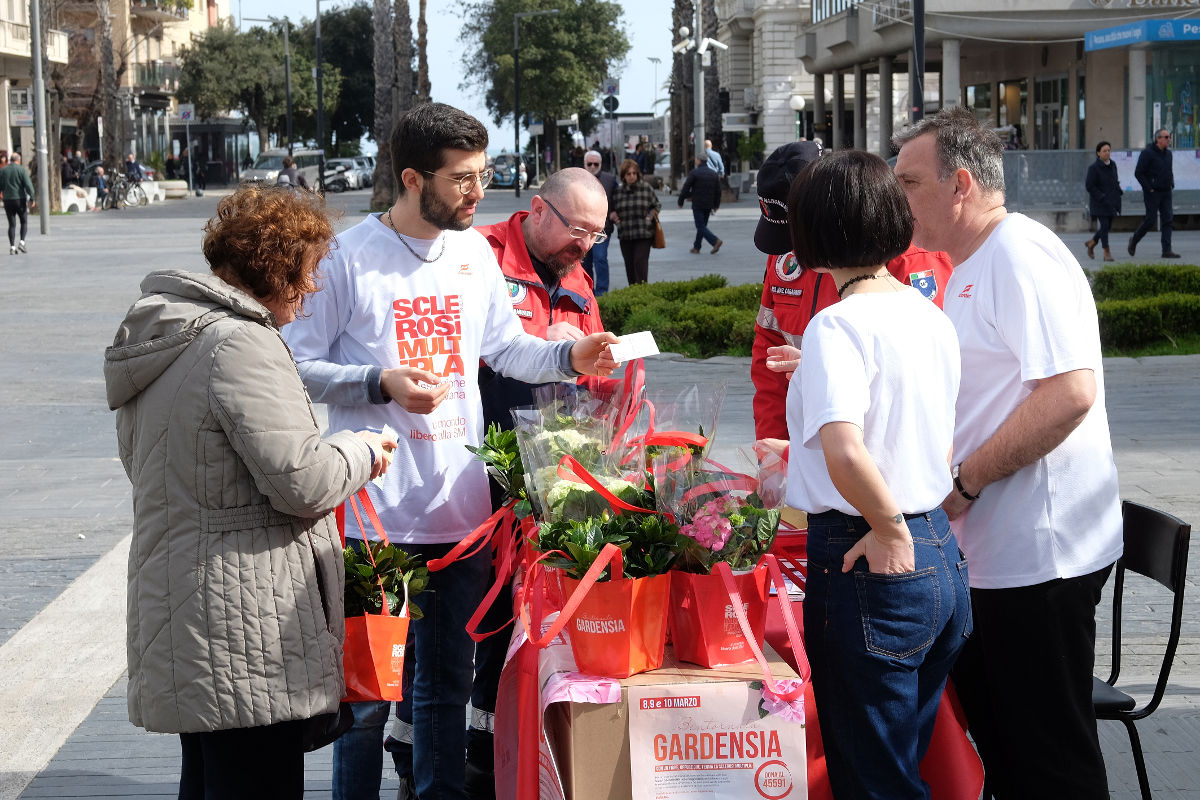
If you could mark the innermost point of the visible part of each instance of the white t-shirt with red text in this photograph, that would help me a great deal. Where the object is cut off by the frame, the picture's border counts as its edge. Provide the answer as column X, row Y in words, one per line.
column 379, row 305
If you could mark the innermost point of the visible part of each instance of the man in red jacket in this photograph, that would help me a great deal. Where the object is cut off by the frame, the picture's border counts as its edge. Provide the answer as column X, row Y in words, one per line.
column 539, row 252
column 793, row 295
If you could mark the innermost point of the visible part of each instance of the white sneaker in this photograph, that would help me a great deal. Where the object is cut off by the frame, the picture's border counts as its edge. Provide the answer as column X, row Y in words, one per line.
column 12, row 250
column 21, row 246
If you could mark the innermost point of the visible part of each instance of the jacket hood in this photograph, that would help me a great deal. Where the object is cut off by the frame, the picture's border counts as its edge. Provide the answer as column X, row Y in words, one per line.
column 175, row 307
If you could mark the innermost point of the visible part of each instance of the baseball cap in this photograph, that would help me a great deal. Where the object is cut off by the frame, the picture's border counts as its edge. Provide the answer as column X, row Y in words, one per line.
column 774, row 181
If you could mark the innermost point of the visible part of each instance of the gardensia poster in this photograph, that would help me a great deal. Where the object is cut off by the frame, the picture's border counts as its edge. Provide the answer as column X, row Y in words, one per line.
column 716, row 741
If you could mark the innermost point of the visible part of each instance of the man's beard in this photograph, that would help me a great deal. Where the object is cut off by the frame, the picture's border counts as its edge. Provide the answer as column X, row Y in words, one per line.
column 437, row 212
column 562, row 264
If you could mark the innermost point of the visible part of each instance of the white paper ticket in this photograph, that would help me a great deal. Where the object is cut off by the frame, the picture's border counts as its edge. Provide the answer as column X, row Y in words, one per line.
column 634, row 345
column 389, row 432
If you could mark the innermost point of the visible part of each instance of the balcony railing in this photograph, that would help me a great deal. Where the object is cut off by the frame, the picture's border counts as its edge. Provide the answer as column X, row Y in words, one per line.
column 826, row 9
column 158, row 75
column 14, row 41
column 160, row 10
column 889, row 12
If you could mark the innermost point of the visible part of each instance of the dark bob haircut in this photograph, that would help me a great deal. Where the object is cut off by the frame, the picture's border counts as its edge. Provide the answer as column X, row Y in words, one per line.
column 848, row 210
column 269, row 239
column 1102, row 145
column 423, row 134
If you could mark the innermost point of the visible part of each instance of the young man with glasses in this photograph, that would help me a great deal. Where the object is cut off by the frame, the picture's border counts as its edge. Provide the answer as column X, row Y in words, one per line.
column 411, row 301
column 596, row 260
column 539, row 252
column 1155, row 173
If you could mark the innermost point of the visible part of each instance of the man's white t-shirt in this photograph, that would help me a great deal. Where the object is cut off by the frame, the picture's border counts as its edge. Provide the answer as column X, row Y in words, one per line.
column 379, row 305
column 888, row 363
column 1024, row 311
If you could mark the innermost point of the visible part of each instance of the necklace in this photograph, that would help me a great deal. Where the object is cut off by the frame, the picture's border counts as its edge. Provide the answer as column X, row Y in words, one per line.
column 416, row 255
column 842, row 289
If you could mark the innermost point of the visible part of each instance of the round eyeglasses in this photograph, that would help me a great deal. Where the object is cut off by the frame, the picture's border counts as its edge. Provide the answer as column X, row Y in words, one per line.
column 466, row 183
column 575, row 231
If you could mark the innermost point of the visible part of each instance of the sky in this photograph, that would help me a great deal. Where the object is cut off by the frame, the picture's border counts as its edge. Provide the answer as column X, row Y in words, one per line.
column 647, row 25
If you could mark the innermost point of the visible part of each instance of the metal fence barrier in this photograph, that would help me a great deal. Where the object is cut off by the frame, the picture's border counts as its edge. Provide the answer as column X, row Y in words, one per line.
column 1052, row 180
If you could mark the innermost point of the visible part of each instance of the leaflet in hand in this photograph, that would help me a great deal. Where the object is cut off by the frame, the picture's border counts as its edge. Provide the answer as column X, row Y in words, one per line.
column 634, row 345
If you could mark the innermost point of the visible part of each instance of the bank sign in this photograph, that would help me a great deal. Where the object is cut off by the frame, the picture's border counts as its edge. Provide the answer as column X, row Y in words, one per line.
column 1163, row 30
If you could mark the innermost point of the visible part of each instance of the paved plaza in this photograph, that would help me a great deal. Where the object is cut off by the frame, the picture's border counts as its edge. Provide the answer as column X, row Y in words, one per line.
column 66, row 513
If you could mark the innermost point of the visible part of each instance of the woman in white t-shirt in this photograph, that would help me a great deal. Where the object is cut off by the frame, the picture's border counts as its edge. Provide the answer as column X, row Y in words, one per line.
column 871, row 417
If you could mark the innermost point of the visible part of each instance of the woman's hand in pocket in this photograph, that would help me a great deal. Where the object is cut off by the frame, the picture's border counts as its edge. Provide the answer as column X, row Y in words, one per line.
column 888, row 552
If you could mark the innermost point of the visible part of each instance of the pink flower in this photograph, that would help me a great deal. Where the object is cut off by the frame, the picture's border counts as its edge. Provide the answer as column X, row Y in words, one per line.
column 790, row 710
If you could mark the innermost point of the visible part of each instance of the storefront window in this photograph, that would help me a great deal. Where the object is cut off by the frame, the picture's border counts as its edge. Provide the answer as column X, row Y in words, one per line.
column 1014, row 107
column 979, row 100
column 1173, row 94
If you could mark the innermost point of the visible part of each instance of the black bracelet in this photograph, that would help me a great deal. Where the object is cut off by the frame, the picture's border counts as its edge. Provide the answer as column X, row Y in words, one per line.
column 958, row 485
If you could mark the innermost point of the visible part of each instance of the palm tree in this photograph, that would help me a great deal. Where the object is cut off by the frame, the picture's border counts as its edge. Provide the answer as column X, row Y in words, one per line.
column 385, row 77
column 424, row 90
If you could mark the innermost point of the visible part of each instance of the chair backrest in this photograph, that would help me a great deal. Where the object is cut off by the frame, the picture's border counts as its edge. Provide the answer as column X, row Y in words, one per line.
column 1156, row 546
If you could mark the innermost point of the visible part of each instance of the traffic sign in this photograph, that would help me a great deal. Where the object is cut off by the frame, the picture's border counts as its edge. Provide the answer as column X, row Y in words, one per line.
column 610, row 104
column 611, row 86
column 187, row 111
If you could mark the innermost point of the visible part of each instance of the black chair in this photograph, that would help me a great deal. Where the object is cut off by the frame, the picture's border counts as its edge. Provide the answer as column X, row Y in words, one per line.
column 1156, row 546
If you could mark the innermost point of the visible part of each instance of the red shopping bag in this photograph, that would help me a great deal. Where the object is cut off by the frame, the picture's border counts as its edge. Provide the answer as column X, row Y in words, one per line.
column 373, row 652
column 619, row 627
column 704, row 628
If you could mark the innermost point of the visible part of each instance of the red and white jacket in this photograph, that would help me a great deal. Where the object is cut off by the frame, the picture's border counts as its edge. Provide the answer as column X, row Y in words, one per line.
column 792, row 296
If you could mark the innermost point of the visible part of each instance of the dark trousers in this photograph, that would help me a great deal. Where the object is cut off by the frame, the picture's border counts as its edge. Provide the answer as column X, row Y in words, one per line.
column 243, row 763
column 700, row 218
column 1158, row 204
column 637, row 260
column 1103, row 226
column 14, row 209
column 1025, row 682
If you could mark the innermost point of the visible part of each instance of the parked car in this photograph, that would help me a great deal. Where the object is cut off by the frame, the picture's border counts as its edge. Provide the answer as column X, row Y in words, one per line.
column 507, row 170
column 269, row 162
column 348, row 168
column 366, row 170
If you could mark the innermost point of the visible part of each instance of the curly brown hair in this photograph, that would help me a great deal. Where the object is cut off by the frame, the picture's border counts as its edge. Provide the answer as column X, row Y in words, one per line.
column 265, row 238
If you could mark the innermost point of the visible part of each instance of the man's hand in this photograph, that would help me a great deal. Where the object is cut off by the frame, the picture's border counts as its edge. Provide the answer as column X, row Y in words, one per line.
column 887, row 552
column 777, row 446
column 590, row 356
column 955, row 505
column 381, row 448
column 403, row 385
column 783, row 358
column 561, row 331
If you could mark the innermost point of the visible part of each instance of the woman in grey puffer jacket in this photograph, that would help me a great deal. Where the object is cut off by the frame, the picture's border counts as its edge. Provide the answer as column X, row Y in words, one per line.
column 235, row 618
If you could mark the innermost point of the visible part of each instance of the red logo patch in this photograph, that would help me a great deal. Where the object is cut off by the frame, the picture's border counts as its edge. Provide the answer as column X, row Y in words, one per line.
column 966, row 292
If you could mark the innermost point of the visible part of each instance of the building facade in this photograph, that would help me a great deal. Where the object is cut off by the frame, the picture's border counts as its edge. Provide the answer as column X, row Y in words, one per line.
column 16, row 73
column 1026, row 67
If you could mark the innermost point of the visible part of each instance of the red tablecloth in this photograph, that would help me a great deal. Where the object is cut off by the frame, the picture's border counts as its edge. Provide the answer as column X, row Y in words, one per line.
column 951, row 766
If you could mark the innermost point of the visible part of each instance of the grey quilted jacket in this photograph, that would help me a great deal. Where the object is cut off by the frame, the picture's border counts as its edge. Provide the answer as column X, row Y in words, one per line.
column 235, row 572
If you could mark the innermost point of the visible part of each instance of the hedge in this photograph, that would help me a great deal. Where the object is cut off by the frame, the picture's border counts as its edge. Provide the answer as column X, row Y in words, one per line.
column 1130, row 282
column 1146, row 320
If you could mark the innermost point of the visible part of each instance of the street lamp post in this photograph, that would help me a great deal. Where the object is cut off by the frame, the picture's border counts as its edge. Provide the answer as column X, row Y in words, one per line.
column 655, row 60
column 320, row 102
column 287, row 69
column 517, row 17
column 797, row 103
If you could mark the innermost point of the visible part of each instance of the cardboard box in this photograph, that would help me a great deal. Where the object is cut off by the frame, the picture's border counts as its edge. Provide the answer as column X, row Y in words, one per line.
column 590, row 742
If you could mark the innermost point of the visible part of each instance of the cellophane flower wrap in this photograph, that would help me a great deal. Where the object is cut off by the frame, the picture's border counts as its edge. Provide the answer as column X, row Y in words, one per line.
column 581, row 426
column 720, row 512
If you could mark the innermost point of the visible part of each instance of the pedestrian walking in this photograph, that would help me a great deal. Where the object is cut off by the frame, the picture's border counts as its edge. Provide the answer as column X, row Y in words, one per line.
column 1035, row 502
column 17, row 189
column 1104, row 198
column 235, row 572
column 635, row 210
column 1154, row 171
column 703, row 186
column 595, row 263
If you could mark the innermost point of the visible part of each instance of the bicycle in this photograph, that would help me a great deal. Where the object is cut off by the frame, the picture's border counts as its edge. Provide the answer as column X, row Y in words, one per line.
column 125, row 192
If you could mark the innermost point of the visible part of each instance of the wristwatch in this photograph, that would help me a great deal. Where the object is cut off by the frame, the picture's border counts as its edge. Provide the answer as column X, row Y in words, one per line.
column 958, row 484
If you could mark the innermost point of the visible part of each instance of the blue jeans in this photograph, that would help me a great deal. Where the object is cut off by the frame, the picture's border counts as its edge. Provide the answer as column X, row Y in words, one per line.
column 443, row 659
column 700, row 218
column 596, row 265
column 1158, row 204
column 881, row 647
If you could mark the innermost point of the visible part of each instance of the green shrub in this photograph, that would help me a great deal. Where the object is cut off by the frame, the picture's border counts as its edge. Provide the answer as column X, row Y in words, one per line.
column 681, row 290
column 1130, row 282
column 1130, row 323
column 1180, row 313
column 743, row 296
